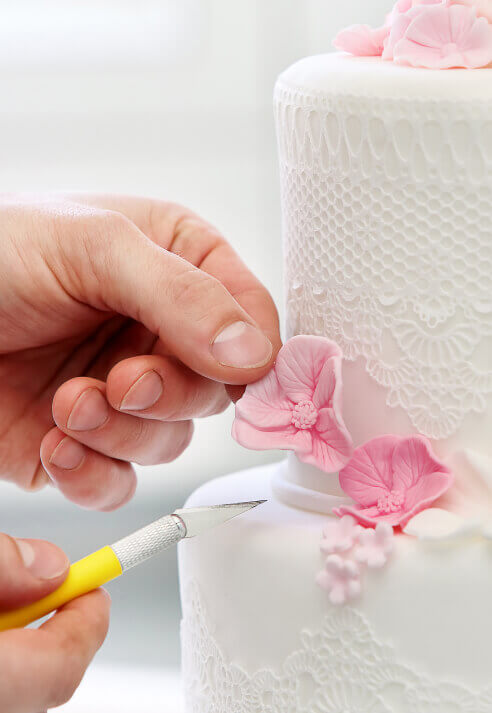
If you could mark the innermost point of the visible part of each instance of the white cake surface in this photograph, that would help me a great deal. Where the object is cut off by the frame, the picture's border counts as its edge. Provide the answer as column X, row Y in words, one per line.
column 386, row 177
column 338, row 73
column 249, row 593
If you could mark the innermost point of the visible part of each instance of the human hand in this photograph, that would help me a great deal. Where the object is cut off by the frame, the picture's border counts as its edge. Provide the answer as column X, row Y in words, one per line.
column 41, row 668
column 129, row 315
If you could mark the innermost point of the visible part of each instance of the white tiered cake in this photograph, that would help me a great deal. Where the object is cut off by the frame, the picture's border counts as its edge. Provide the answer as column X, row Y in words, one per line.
column 386, row 185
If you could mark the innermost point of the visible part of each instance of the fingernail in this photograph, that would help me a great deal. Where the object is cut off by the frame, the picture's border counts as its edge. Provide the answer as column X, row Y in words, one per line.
column 242, row 346
column 144, row 393
column 90, row 411
column 42, row 559
column 68, row 454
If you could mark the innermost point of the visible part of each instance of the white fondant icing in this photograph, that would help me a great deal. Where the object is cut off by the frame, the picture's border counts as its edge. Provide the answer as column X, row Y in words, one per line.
column 256, row 581
column 306, row 487
column 386, row 180
column 439, row 524
column 312, row 478
column 339, row 73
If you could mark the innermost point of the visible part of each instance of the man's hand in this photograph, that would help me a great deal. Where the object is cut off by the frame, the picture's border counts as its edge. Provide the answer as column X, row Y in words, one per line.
column 41, row 668
column 121, row 320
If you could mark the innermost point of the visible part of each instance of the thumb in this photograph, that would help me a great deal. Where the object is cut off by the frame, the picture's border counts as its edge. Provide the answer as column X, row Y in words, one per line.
column 192, row 312
column 29, row 570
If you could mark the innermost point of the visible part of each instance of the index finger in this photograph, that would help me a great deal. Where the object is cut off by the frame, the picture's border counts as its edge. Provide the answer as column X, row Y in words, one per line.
column 184, row 233
column 53, row 658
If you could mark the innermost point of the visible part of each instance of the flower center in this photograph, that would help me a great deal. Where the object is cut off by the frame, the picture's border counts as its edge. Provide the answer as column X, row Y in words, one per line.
column 449, row 48
column 304, row 415
column 390, row 501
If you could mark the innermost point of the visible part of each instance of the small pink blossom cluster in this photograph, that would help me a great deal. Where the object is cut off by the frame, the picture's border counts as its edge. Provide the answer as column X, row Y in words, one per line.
column 433, row 34
column 350, row 548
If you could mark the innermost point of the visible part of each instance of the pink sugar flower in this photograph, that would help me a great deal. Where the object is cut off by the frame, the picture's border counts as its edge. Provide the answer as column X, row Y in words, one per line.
column 483, row 8
column 400, row 22
column 366, row 41
column 442, row 37
column 403, row 6
column 375, row 545
column 362, row 40
column 297, row 405
column 340, row 578
column 391, row 479
column 340, row 535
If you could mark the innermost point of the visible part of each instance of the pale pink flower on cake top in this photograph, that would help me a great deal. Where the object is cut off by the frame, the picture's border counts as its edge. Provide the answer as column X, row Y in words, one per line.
column 442, row 37
column 362, row 40
column 404, row 6
column 340, row 535
column 375, row 545
column 297, row 405
column 432, row 34
column 483, row 8
column 367, row 41
column 391, row 479
column 399, row 26
column 340, row 578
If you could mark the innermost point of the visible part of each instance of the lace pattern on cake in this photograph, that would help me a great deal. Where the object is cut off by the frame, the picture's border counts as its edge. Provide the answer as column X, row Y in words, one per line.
column 388, row 243
column 341, row 667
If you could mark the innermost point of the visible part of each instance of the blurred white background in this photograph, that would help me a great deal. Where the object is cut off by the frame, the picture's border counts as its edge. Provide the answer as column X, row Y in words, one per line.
column 170, row 98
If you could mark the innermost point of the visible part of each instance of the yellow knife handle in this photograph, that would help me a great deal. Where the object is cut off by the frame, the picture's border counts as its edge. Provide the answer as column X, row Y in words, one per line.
column 84, row 576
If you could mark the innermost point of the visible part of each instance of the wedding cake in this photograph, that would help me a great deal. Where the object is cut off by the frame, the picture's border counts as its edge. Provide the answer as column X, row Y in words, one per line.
column 364, row 584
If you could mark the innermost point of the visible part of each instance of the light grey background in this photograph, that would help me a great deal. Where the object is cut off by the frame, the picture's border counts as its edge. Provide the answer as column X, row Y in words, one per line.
column 170, row 98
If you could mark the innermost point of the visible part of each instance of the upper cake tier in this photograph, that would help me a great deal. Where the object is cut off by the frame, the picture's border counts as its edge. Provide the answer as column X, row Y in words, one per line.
column 386, row 178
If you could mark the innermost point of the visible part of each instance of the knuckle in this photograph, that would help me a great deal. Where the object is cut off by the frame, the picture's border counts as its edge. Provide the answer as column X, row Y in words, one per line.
column 184, row 239
column 101, row 228
column 195, row 240
column 63, row 689
column 190, row 226
column 204, row 300
column 186, row 437
column 221, row 404
column 130, row 446
column 66, row 681
column 90, row 253
column 180, row 435
column 93, row 225
column 194, row 290
column 209, row 402
column 111, row 222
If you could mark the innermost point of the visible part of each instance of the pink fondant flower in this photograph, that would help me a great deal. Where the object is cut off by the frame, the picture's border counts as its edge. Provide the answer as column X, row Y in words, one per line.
column 400, row 22
column 403, row 6
column 297, row 405
column 340, row 535
column 362, row 40
column 375, row 546
column 340, row 578
column 443, row 36
column 483, row 8
column 391, row 479
column 366, row 41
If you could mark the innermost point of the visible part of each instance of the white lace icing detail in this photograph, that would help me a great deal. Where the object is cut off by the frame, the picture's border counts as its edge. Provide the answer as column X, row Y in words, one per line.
column 342, row 668
column 388, row 243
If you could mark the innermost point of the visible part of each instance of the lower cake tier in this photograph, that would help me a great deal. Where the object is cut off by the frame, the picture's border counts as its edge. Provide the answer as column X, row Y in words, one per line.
column 259, row 635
